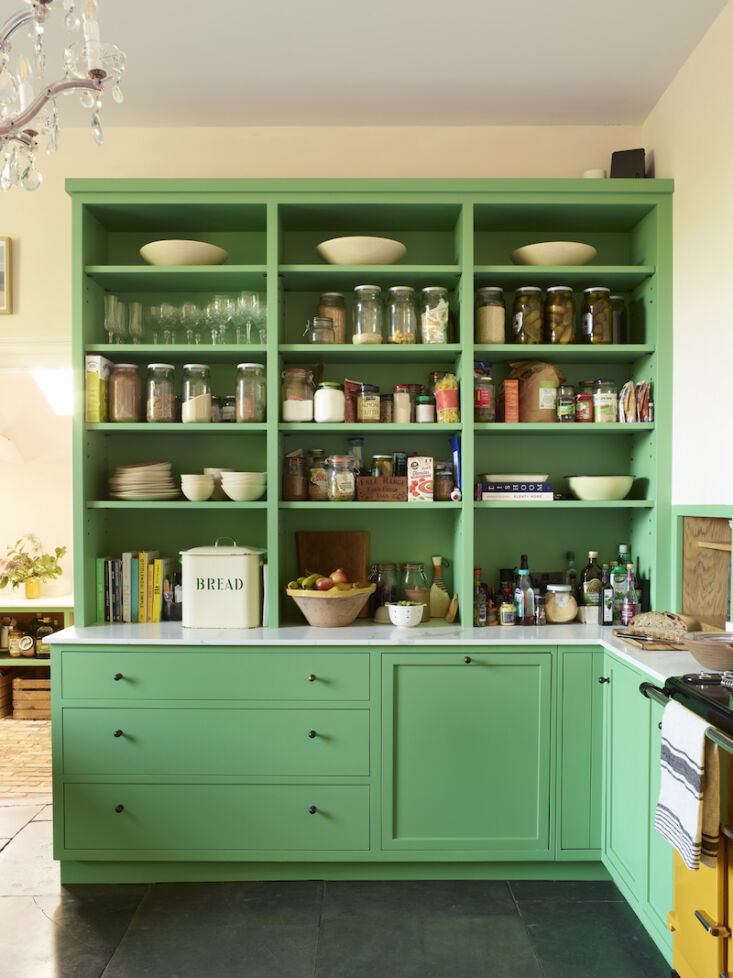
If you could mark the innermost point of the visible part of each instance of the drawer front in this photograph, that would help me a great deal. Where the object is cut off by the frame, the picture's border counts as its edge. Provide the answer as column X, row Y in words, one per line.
column 160, row 819
column 247, row 742
column 208, row 675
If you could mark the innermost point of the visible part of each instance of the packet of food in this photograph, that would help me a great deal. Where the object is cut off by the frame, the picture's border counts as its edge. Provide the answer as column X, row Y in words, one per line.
column 627, row 402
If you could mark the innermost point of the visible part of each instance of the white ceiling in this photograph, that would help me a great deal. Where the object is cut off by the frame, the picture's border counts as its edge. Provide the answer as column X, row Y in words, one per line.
column 398, row 62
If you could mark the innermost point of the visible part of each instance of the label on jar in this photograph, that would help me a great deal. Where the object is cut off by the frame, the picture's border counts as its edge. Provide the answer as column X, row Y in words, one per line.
column 586, row 324
column 482, row 397
column 517, row 322
column 606, row 406
column 547, row 397
column 566, row 410
column 318, row 484
column 584, row 407
column 592, row 592
column 507, row 614
column 367, row 407
column 344, row 485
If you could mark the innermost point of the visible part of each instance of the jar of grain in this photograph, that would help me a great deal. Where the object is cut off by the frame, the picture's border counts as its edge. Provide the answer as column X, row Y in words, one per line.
column 124, row 393
column 401, row 317
column 196, row 405
column 490, row 326
column 317, row 475
column 160, row 400
column 251, row 392
column 332, row 306
column 295, row 480
column 367, row 314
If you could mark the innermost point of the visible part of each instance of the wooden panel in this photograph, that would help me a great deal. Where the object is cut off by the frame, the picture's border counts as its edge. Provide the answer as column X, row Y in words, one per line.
column 326, row 551
column 705, row 569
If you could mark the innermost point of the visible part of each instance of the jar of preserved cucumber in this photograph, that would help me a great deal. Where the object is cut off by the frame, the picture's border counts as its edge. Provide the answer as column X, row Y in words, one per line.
column 490, row 323
column 527, row 318
column 559, row 315
column 597, row 315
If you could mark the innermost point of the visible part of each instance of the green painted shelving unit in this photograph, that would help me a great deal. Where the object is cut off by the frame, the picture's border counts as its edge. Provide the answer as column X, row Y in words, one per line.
column 458, row 233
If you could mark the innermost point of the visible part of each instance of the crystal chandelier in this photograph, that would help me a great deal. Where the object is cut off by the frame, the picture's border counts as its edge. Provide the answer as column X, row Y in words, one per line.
column 28, row 102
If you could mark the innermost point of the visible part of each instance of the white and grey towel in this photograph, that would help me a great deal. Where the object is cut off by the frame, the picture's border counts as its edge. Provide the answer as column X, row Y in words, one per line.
column 688, row 810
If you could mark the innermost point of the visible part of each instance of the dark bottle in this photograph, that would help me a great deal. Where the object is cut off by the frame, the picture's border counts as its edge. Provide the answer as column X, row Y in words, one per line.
column 591, row 582
column 605, row 609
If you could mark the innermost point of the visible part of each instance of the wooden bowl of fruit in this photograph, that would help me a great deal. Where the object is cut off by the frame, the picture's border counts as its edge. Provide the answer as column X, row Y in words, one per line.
column 329, row 602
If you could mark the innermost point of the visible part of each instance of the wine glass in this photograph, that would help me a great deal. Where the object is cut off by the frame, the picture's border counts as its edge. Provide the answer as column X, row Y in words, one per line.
column 110, row 314
column 120, row 320
column 249, row 317
column 219, row 314
column 152, row 316
column 169, row 321
column 191, row 317
column 135, row 325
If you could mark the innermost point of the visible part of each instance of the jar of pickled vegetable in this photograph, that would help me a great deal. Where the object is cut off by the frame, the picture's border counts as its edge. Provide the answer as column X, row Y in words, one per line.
column 619, row 325
column 401, row 316
column 527, row 318
column 490, row 316
column 434, row 312
column 559, row 315
column 597, row 320
column 341, row 478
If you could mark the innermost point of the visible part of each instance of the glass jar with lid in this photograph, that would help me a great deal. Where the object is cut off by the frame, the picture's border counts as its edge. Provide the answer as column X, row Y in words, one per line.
column 584, row 402
column 605, row 401
column 317, row 475
column 443, row 482
column 401, row 316
column 229, row 408
column 160, row 394
column 415, row 587
column 484, row 398
column 435, row 376
column 368, row 404
column 425, row 409
column 527, row 315
column 385, row 578
column 332, row 306
column 597, row 318
column 341, row 478
column 124, row 393
column 329, row 403
column 297, row 394
column 386, row 408
column 295, row 479
column 566, row 403
column 251, row 392
column 382, row 466
column 559, row 315
column 367, row 314
column 490, row 316
column 619, row 325
column 320, row 330
column 402, row 411
column 196, row 403
column 434, row 315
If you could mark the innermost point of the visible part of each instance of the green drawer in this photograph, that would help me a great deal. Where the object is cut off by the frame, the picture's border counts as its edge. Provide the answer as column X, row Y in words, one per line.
column 215, row 675
column 210, row 742
column 158, row 819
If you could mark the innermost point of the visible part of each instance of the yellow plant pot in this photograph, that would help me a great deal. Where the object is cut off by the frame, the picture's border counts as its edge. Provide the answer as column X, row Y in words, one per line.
column 33, row 587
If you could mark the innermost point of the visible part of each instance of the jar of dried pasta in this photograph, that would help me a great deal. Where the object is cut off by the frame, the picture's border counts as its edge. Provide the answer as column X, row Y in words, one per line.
column 434, row 312
column 446, row 400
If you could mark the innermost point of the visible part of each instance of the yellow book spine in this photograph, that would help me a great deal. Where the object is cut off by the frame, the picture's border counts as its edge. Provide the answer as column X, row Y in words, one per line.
column 157, row 589
column 141, row 588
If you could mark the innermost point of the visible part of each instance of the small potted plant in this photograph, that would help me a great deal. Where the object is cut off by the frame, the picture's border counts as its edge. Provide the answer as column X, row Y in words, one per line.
column 26, row 563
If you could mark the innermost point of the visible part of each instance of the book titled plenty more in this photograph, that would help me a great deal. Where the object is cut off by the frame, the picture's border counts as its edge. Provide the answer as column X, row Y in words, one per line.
column 132, row 587
column 517, row 490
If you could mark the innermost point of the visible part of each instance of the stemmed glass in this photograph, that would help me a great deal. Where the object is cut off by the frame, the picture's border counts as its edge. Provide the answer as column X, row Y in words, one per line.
column 169, row 321
column 110, row 315
column 249, row 317
column 152, row 315
column 135, row 325
column 219, row 314
column 120, row 319
column 191, row 319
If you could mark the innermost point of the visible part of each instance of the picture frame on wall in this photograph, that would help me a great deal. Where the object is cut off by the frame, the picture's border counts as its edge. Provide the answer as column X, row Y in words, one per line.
column 6, row 279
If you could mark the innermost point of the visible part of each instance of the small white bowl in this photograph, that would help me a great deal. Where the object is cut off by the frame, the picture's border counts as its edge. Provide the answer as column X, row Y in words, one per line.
column 237, row 481
column 196, row 493
column 178, row 252
column 244, row 494
column 361, row 250
column 554, row 253
column 405, row 615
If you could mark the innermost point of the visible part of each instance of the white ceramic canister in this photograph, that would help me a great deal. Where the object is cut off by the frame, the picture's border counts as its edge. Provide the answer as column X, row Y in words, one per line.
column 329, row 403
column 222, row 586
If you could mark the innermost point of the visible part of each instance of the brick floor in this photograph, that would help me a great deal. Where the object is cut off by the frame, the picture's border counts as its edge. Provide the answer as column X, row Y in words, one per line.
column 25, row 757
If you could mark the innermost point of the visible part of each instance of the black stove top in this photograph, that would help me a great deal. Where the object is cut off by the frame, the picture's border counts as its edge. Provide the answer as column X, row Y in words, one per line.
column 709, row 694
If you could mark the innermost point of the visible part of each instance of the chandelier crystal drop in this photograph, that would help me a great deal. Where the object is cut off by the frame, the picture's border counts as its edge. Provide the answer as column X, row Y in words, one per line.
column 28, row 100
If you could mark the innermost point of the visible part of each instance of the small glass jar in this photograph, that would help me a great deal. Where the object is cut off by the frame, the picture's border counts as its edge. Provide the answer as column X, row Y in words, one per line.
column 559, row 315
column 215, row 409
column 566, row 403
column 251, row 392
column 329, row 403
column 540, row 618
column 320, row 330
column 425, row 409
column 597, row 315
column 341, row 478
column 619, row 324
column 415, row 587
column 295, row 479
column 160, row 394
column 367, row 314
column 443, row 482
column 434, row 315
column 402, row 411
column 382, row 466
column 229, row 408
column 317, row 475
column 385, row 578
column 490, row 316
column 332, row 306
column 124, row 393
column 196, row 401
column 484, row 399
column 386, row 408
column 400, row 464
column 367, row 404
column 401, row 316
column 605, row 402
column 584, row 402
column 297, row 394
column 527, row 315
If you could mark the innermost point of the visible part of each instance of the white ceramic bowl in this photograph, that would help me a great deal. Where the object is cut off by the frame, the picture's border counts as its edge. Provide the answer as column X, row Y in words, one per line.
column 255, row 479
column 244, row 494
column 404, row 615
column 554, row 253
column 197, row 493
column 600, row 487
column 361, row 250
column 178, row 252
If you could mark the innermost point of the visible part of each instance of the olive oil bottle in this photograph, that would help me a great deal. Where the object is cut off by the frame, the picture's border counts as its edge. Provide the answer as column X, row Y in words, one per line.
column 591, row 582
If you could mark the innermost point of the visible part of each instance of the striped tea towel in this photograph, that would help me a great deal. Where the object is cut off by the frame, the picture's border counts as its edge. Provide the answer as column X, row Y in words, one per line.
column 688, row 810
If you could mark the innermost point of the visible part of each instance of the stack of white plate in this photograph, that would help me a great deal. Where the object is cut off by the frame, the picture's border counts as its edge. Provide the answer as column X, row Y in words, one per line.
column 244, row 487
column 149, row 482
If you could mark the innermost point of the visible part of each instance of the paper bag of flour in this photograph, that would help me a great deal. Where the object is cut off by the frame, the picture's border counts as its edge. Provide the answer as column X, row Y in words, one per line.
column 538, row 384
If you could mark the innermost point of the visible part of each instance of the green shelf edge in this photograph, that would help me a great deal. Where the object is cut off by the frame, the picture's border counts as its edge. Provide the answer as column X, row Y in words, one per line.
column 354, row 430
column 356, row 505
column 177, row 427
column 567, row 504
column 174, row 504
column 566, row 352
column 592, row 428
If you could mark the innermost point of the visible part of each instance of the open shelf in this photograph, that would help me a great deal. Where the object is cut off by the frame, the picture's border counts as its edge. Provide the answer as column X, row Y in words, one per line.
column 356, row 505
column 435, row 353
column 20, row 661
column 570, row 429
column 178, row 278
column 180, row 351
column 174, row 504
column 566, row 352
column 327, row 278
column 620, row 277
column 354, row 430
column 566, row 504
column 177, row 427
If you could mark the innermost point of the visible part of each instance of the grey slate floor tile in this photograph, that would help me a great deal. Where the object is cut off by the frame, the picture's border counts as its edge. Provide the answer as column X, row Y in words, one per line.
column 566, row 891
column 449, row 898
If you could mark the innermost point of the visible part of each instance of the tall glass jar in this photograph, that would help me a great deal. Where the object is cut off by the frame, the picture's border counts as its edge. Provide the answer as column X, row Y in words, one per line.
column 605, row 401
column 297, row 394
column 385, row 577
column 584, row 413
column 320, row 330
column 367, row 314
column 196, row 403
column 295, row 479
column 527, row 317
column 484, row 399
column 124, row 393
column 332, row 306
column 415, row 587
column 160, row 394
column 490, row 325
column 619, row 324
column 434, row 315
column 559, row 315
column 341, row 478
column 251, row 392
column 597, row 315
column 401, row 316
column 443, row 482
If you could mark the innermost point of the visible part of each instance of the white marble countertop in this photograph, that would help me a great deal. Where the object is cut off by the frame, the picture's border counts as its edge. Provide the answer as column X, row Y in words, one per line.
column 435, row 635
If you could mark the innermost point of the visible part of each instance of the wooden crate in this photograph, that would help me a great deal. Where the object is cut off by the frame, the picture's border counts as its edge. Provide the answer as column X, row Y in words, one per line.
column 391, row 488
column 6, row 699
column 31, row 699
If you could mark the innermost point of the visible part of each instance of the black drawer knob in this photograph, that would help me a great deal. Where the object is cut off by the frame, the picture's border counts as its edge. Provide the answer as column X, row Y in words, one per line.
column 311, row 678
column 117, row 733
column 117, row 676
column 119, row 808
column 604, row 679
column 467, row 660
column 660, row 724
column 312, row 810
column 311, row 734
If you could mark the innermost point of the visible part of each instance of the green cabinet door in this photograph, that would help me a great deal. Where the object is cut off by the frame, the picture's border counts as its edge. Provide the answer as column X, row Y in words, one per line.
column 467, row 752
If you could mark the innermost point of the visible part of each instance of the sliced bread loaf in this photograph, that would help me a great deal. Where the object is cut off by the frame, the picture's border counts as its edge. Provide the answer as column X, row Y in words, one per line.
column 663, row 625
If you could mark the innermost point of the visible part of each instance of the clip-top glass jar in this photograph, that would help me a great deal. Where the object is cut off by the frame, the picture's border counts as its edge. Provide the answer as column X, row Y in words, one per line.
column 527, row 318
column 401, row 317
column 297, row 394
column 251, row 392
column 320, row 330
column 367, row 314
column 124, row 393
column 415, row 587
column 434, row 314
column 196, row 404
column 341, row 478
column 559, row 315
column 160, row 400
column 385, row 577
column 333, row 307
column 597, row 315
column 490, row 326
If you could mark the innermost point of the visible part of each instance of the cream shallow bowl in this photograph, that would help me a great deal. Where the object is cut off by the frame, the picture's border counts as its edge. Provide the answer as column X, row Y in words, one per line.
column 361, row 250
column 197, row 492
column 175, row 251
column 554, row 253
column 593, row 488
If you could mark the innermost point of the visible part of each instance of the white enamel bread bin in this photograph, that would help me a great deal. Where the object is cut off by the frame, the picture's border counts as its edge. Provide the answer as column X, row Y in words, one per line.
column 222, row 586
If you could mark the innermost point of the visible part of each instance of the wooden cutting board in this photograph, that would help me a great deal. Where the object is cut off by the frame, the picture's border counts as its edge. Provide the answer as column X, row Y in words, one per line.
column 652, row 645
column 325, row 551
